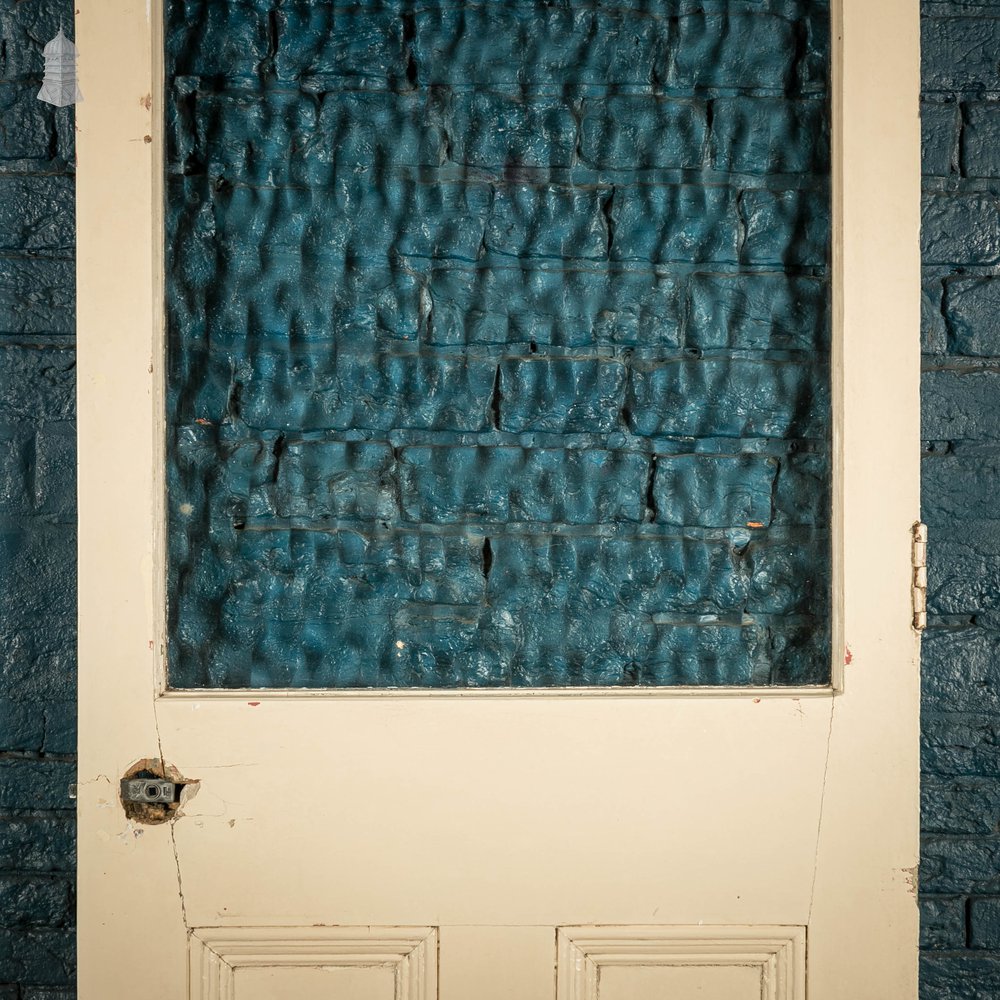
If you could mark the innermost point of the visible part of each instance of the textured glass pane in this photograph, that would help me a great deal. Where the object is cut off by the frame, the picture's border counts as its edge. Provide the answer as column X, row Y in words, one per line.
column 498, row 342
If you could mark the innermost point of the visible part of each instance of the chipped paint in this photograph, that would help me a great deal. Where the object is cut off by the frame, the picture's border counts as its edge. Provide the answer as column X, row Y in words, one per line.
column 155, row 813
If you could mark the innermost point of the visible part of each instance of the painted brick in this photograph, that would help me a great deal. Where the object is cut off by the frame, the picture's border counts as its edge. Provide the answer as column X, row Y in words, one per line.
column 16, row 449
column 960, row 744
column 42, row 957
column 713, row 492
column 801, row 495
column 630, row 132
column 37, row 612
column 662, row 223
column 961, row 670
column 25, row 31
column 43, row 843
column 959, row 977
column 957, row 406
column 317, row 42
column 331, row 480
column 960, row 805
column 55, row 471
column 60, row 724
column 36, row 384
column 36, row 572
column 428, row 220
column 984, row 924
column 22, row 724
column 942, row 922
column 274, row 590
column 316, row 389
column 580, row 46
column 280, row 293
column 34, row 213
column 959, row 53
column 785, row 227
column 37, row 296
column 552, row 305
column 960, row 227
column 758, row 311
column 963, row 568
column 940, row 125
column 286, row 138
column 27, row 901
column 933, row 330
column 38, row 662
column 545, row 222
column 563, row 396
column 789, row 578
column 756, row 135
column 960, row 487
column 981, row 141
column 27, row 125
column 235, row 36
column 720, row 50
column 972, row 308
column 503, row 134
column 733, row 398
column 960, row 864
column 584, row 575
column 35, row 784
column 493, row 484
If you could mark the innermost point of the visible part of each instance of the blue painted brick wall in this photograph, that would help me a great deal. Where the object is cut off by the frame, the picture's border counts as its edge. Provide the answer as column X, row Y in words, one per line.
column 960, row 868
column 37, row 515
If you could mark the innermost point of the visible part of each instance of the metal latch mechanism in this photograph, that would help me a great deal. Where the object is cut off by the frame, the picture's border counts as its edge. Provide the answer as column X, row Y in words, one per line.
column 919, row 586
column 150, row 790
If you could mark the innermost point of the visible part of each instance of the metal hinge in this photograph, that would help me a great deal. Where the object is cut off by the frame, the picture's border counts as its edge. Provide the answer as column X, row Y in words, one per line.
column 919, row 586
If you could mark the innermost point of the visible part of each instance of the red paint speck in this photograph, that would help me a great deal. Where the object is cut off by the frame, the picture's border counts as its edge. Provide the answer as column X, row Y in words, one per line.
column 253, row 704
column 203, row 422
column 756, row 701
column 848, row 656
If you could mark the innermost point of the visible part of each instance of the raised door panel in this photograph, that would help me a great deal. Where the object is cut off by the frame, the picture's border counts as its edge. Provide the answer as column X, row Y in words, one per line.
column 370, row 983
column 706, row 983
column 313, row 963
column 682, row 963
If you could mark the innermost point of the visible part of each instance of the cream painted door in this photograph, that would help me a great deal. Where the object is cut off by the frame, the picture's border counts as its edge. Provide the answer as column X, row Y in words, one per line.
column 707, row 844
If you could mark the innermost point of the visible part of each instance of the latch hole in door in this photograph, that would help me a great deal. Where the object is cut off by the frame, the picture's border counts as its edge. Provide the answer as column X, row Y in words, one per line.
column 152, row 792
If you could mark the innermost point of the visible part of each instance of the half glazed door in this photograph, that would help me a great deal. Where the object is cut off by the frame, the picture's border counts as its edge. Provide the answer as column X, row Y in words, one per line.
column 453, row 796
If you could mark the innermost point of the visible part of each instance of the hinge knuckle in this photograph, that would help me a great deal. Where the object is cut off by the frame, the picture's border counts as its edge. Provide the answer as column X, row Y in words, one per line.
column 919, row 577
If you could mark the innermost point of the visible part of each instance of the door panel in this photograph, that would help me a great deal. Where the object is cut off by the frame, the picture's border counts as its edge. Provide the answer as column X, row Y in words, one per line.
column 369, row 983
column 352, row 831
column 693, row 963
column 706, row 983
column 531, row 818
column 313, row 963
